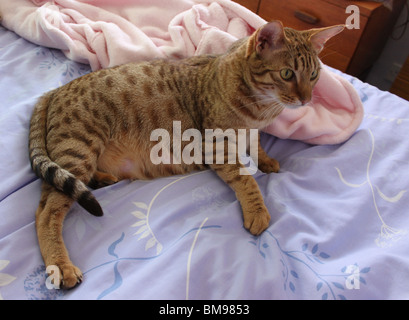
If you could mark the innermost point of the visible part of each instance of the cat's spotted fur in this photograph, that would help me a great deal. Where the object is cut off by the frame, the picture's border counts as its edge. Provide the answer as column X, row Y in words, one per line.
column 96, row 129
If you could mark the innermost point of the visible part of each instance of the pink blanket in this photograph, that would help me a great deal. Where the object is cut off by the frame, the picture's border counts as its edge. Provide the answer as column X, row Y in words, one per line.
column 105, row 33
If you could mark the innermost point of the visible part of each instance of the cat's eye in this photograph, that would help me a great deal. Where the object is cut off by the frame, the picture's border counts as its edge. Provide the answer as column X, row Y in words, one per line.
column 314, row 75
column 287, row 74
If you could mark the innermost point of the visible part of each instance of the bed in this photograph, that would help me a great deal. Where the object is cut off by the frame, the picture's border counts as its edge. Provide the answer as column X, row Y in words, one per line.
column 339, row 226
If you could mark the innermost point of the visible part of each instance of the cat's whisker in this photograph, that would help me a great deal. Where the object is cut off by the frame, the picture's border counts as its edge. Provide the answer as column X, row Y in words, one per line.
column 269, row 114
column 321, row 96
column 272, row 101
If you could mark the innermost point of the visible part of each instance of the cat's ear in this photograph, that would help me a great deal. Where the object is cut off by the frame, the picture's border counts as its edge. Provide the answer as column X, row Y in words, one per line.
column 268, row 37
column 319, row 37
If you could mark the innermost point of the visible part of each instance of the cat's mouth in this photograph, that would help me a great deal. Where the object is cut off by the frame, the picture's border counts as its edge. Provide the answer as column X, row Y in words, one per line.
column 287, row 101
column 297, row 104
column 292, row 102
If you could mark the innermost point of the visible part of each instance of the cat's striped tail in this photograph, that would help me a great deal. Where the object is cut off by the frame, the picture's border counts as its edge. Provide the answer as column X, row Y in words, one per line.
column 50, row 171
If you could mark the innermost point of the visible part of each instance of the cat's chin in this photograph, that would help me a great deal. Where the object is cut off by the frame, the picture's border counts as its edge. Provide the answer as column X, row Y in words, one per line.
column 294, row 106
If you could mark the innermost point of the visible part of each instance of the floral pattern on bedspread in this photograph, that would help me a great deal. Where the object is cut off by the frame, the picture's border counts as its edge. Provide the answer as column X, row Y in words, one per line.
column 5, row 278
column 339, row 212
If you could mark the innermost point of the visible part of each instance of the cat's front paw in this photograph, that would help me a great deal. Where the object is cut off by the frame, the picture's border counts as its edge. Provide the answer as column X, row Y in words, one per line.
column 65, row 276
column 256, row 221
column 269, row 165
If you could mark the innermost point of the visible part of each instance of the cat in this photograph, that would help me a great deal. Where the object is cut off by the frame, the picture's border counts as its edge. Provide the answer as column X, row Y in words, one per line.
column 96, row 129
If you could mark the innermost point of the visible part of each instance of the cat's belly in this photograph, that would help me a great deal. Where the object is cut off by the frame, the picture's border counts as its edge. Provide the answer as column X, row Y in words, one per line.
column 133, row 162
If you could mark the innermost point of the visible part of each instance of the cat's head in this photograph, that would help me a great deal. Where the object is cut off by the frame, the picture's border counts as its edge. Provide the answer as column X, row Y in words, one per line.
column 284, row 64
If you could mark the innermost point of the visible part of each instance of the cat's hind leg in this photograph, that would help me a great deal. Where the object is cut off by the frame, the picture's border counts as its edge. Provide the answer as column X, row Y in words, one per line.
column 50, row 215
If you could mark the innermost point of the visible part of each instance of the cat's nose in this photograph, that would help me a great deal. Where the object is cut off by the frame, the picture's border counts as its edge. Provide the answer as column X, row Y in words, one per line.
column 304, row 98
column 304, row 101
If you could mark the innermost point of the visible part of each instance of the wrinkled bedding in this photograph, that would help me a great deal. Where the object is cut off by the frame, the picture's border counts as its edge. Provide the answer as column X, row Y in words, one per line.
column 106, row 33
column 339, row 212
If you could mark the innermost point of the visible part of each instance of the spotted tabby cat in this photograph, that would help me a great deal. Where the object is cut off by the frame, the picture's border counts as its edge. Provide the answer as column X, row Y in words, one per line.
column 96, row 129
